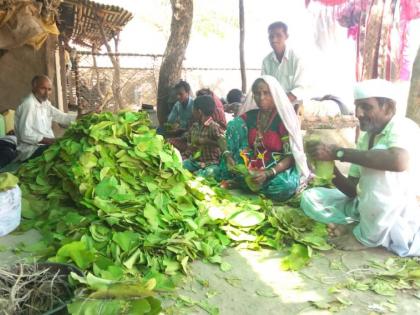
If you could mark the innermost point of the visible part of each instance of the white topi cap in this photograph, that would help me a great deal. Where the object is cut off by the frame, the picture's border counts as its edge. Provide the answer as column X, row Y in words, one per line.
column 375, row 88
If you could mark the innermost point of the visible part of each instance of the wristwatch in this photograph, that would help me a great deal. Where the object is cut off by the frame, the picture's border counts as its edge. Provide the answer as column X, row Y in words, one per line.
column 339, row 154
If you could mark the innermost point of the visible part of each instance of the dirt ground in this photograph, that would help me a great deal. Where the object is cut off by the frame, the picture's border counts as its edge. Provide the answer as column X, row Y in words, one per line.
column 256, row 284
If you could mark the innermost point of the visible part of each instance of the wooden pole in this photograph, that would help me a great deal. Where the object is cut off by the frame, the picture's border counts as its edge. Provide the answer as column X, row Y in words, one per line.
column 241, row 44
column 96, row 72
column 77, row 78
column 64, row 79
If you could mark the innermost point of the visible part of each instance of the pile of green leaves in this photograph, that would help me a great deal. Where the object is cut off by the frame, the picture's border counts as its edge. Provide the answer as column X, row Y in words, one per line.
column 119, row 201
column 259, row 223
column 113, row 198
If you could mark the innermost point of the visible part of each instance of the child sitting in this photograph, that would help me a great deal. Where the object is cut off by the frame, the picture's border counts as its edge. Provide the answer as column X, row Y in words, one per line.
column 205, row 139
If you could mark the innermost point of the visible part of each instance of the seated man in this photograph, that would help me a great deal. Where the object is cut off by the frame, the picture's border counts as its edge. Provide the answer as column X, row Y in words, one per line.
column 204, row 139
column 181, row 114
column 377, row 201
column 33, row 120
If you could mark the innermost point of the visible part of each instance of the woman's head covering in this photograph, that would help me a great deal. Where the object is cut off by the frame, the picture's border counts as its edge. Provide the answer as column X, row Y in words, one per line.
column 289, row 118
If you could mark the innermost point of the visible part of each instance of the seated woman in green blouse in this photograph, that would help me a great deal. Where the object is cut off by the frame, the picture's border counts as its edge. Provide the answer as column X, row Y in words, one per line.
column 265, row 139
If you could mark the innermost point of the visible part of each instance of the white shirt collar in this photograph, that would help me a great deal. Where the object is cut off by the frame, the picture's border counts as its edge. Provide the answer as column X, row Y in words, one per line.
column 36, row 100
column 286, row 55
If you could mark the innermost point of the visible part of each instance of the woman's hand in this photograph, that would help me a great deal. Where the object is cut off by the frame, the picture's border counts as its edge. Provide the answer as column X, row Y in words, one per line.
column 259, row 177
column 230, row 162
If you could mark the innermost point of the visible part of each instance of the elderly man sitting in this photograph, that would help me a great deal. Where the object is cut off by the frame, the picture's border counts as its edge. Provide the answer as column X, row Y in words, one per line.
column 377, row 201
column 34, row 117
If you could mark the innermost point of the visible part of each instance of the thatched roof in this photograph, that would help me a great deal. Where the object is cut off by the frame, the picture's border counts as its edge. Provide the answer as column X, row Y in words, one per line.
column 79, row 21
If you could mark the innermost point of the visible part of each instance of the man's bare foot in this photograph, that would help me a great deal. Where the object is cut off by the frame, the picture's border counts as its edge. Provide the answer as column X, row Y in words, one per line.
column 347, row 242
column 335, row 230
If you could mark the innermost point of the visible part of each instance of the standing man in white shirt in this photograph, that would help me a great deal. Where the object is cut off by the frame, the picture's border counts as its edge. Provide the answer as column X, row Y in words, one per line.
column 34, row 117
column 284, row 64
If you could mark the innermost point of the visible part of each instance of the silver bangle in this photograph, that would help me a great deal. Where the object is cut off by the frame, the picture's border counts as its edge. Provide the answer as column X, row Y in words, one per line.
column 274, row 171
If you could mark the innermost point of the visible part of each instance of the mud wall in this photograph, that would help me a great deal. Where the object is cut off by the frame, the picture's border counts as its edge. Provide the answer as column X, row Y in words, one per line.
column 18, row 67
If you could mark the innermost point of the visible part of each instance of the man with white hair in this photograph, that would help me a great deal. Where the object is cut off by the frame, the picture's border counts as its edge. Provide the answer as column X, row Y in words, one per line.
column 377, row 201
column 34, row 117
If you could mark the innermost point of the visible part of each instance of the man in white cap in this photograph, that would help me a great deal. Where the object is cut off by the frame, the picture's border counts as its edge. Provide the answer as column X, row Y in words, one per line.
column 377, row 201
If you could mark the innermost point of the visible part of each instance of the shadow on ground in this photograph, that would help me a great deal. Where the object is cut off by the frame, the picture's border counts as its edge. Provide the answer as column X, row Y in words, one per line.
column 256, row 285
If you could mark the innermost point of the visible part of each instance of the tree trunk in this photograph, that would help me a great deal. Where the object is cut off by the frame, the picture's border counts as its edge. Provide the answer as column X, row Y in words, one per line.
column 241, row 44
column 116, row 80
column 413, row 105
column 170, row 70
column 116, row 84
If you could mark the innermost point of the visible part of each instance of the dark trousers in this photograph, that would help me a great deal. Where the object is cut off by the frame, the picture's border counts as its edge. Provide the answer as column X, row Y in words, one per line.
column 7, row 153
column 39, row 151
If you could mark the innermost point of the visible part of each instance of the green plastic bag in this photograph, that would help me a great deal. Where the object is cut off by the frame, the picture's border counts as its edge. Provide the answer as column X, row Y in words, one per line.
column 2, row 126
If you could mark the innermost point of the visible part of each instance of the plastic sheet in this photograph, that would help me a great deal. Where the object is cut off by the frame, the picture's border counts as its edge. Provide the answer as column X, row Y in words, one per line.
column 10, row 210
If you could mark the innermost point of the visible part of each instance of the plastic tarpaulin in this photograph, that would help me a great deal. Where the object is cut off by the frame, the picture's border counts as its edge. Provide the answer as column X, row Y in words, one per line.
column 10, row 203
column 21, row 24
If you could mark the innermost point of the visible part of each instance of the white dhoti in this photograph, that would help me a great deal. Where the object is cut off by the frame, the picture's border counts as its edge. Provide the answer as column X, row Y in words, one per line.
column 385, row 209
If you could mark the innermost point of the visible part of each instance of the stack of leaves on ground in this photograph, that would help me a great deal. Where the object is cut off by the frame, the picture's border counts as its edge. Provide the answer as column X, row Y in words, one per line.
column 119, row 200
column 112, row 197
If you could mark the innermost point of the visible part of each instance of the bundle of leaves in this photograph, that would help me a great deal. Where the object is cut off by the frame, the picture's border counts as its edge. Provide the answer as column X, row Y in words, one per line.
column 101, row 296
column 323, row 170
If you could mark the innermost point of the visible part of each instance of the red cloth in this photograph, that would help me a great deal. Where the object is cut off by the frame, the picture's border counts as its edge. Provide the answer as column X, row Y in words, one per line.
column 273, row 139
column 219, row 113
column 180, row 144
column 332, row 2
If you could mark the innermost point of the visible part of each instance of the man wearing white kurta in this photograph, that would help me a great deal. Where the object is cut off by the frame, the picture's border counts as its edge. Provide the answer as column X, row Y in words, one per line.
column 34, row 117
column 378, row 199
column 284, row 64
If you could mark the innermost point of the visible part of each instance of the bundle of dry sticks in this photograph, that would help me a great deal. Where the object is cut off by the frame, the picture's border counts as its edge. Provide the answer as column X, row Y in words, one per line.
column 32, row 289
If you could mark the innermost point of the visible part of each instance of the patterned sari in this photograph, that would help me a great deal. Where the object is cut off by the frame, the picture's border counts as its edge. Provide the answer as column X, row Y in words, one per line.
column 240, row 138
